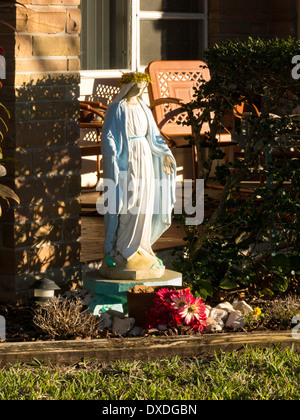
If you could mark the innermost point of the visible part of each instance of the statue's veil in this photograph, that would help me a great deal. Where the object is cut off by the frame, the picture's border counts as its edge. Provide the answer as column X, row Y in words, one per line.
column 123, row 92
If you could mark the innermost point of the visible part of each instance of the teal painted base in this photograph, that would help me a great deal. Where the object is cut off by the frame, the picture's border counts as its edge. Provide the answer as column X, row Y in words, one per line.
column 112, row 294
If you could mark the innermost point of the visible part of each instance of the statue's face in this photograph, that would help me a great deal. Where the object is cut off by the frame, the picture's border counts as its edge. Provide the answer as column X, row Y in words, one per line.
column 137, row 89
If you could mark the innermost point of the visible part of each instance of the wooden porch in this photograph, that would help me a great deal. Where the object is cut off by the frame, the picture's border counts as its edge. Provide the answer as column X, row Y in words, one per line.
column 92, row 229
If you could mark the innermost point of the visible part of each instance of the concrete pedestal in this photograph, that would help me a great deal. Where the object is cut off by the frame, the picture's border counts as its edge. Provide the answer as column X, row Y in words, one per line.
column 112, row 294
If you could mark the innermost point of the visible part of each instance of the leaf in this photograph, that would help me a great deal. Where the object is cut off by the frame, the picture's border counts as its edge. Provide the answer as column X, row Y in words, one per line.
column 281, row 284
column 6, row 192
column 203, row 294
column 228, row 284
column 266, row 292
column 4, row 123
column 5, row 109
column 206, row 287
column 280, row 264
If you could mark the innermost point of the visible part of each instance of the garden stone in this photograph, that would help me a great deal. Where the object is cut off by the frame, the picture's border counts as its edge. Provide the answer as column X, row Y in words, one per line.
column 115, row 314
column 122, row 326
column 136, row 331
column 243, row 307
column 87, row 299
column 105, row 321
column 213, row 326
column 218, row 314
column 235, row 320
column 227, row 306
column 217, row 328
column 162, row 327
column 106, row 318
column 207, row 310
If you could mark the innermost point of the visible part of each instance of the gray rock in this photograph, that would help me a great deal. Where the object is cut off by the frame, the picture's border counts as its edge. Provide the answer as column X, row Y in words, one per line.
column 122, row 326
column 226, row 306
column 213, row 326
column 218, row 314
column 105, row 321
column 136, row 331
column 162, row 327
column 115, row 314
column 235, row 320
column 242, row 306
column 207, row 310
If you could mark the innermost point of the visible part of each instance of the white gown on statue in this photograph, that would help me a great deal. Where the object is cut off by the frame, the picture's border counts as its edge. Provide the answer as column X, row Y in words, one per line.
column 134, row 230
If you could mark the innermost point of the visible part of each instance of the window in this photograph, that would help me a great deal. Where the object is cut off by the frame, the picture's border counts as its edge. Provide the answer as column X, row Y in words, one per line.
column 105, row 37
column 128, row 34
column 171, row 30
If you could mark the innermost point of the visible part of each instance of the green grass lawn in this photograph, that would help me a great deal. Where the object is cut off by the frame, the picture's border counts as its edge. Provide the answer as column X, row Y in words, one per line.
column 251, row 374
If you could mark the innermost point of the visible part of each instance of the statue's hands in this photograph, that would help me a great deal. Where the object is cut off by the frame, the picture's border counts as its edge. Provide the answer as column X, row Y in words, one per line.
column 168, row 165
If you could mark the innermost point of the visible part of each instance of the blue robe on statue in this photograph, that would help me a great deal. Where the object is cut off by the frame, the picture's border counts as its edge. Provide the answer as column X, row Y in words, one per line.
column 115, row 152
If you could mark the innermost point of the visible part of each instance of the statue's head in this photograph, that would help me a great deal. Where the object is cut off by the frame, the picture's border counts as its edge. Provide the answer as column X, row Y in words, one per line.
column 132, row 84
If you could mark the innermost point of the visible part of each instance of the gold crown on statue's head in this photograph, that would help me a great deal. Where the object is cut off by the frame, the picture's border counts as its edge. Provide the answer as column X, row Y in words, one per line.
column 135, row 77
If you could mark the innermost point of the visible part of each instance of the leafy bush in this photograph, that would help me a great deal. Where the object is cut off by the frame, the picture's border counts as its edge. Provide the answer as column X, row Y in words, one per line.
column 253, row 93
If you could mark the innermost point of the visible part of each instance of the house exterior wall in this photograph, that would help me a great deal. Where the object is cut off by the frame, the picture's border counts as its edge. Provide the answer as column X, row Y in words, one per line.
column 40, row 237
column 232, row 19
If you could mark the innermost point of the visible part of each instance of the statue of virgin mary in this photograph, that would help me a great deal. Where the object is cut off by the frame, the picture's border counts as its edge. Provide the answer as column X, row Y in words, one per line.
column 143, row 170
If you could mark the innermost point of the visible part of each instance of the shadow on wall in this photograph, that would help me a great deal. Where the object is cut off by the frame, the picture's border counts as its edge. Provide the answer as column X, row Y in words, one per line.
column 41, row 235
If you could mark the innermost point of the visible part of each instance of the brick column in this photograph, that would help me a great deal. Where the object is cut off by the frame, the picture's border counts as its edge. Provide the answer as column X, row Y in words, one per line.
column 40, row 237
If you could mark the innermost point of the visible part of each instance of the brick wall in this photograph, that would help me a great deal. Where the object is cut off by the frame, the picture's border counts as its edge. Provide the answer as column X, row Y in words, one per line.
column 284, row 18
column 232, row 19
column 40, row 237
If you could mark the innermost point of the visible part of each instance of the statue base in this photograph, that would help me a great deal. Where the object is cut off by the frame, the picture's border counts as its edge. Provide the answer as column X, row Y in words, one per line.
column 112, row 293
column 139, row 267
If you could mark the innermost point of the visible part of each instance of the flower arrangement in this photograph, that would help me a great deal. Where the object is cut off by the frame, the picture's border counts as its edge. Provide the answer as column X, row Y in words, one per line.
column 135, row 77
column 172, row 307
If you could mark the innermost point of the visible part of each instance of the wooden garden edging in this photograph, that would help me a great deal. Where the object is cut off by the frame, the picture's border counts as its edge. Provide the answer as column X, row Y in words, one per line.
column 140, row 348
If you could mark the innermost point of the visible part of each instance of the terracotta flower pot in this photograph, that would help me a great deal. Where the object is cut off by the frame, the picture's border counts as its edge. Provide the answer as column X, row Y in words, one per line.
column 140, row 301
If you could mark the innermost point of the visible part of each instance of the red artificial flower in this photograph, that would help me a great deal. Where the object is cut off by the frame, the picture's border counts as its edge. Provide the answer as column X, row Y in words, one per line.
column 194, row 314
column 181, row 298
column 176, row 307
column 2, row 51
column 164, row 296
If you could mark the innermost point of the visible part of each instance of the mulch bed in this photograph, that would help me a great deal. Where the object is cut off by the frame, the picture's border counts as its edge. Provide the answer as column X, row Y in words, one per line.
column 21, row 328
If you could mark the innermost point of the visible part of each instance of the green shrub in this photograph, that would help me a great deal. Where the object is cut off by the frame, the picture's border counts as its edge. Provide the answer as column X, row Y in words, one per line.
column 239, row 244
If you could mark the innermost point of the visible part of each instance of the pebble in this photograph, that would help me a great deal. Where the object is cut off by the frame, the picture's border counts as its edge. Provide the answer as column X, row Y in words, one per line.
column 213, row 326
column 105, row 321
column 136, row 331
column 122, row 326
column 162, row 327
column 218, row 314
column 235, row 320
column 225, row 305
column 242, row 306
